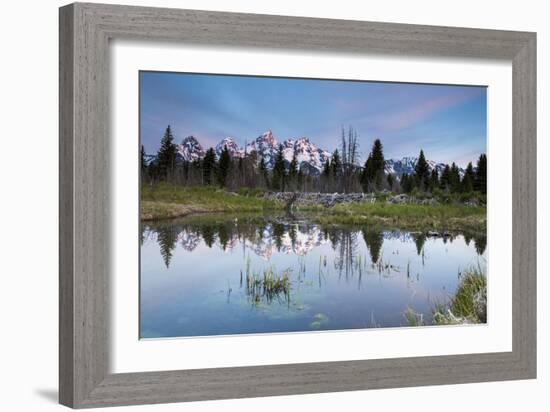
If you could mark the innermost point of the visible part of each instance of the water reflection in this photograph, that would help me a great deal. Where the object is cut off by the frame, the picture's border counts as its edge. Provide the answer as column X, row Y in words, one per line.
column 263, row 238
column 250, row 274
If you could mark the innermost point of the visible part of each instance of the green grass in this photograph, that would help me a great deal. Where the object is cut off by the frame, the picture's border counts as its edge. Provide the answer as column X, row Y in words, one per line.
column 467, row 306
column 408, row 216
column 167, row 201
column 268, row 286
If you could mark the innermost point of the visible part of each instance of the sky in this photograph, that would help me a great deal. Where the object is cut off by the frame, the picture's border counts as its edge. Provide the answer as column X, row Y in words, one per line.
column 448, row 122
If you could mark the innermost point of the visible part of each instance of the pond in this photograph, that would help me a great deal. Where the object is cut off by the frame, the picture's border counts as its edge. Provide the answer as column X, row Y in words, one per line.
column 236, row 274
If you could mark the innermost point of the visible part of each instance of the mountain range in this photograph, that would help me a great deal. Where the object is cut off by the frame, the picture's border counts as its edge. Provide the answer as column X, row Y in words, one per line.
column 310, row 158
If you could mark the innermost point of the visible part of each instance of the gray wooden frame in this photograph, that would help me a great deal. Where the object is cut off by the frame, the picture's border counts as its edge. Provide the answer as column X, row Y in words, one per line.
column 85, row 31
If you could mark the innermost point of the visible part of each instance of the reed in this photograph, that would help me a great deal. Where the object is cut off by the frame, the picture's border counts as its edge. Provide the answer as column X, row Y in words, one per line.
column 468, row 305
column 413, row 318
column 268, row 286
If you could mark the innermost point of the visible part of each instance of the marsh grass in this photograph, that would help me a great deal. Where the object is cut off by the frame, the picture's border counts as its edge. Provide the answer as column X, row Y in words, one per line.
column 413, row 318
column 408, row 216
column 467, row 306
column 268, row 286
column 164, row 201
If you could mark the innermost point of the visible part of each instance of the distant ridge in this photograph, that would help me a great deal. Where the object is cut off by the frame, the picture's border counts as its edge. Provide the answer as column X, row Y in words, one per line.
column 311, row 159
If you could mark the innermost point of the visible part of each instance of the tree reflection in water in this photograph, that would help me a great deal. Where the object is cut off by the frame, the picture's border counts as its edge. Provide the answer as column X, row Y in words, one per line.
column 265, row 235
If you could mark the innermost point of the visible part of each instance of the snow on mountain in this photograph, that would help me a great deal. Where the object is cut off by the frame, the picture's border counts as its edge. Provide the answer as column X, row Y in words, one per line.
column 232, row 146
column 190, row 149
column 266, row 147
column 407, row 165
column 149, row 158
column 309, row 157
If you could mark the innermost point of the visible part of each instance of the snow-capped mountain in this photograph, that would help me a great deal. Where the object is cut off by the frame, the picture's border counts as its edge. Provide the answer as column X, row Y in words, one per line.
column 407, row 165
column 310, row 158
column 266, row 147
column 190, row 149
column 232, row 147
column 149, row 158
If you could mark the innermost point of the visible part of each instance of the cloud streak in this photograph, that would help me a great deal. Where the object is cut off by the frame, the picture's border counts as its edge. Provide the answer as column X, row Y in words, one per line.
column 411, row 116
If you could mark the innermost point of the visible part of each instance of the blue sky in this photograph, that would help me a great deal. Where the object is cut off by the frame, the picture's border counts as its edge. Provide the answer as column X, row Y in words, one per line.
column 447, row 122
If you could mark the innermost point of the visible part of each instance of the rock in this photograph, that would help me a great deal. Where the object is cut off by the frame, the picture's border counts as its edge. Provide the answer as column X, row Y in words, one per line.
column 332, row 199
column 399, row 199
column 324, row 199
column 429, row 201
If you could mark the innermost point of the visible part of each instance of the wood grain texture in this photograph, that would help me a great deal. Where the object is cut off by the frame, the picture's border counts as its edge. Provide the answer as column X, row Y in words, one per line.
column 66, row 229
column 85, row 31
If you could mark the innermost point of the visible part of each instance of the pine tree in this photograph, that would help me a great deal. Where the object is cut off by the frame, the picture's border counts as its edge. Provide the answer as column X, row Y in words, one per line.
column 367, row 174
column 434, row 180
column 377, row 156
column 263, row 173
column 224, row 165
column 208, row 166
column 326, row 169
column 336, row 164
column 480, row 181
column 407, row 183
column 455, row 178
column 468, row 179
column 446, row 178
column 422, row 172
column 293, row 169
column 278, row 181
column 240, row 169
column 166, row 156
column 390, row 180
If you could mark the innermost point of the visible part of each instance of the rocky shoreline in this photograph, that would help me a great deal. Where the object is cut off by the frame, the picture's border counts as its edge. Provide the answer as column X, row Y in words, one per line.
column 332, row 199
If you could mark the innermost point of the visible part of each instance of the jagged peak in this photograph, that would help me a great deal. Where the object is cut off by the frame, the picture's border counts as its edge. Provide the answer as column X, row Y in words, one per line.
column 267, row 136
column 190, row 138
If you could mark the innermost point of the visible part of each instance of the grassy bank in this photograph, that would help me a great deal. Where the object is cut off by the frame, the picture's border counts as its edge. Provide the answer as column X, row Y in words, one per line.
column 468, row 305
column 166, row 201
column 408, row 216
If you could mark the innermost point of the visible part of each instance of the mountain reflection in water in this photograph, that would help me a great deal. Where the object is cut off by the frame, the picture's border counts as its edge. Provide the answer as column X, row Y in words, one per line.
column 196, row 275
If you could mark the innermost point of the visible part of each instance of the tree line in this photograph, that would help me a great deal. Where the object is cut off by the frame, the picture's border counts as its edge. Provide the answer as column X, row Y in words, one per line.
column 341, row 172
column 344, row 241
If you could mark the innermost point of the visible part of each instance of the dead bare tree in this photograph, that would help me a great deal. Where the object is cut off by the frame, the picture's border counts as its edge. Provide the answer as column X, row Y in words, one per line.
column 350, row 156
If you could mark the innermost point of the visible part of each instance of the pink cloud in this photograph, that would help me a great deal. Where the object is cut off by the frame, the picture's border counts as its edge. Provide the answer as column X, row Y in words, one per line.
column 419, row 112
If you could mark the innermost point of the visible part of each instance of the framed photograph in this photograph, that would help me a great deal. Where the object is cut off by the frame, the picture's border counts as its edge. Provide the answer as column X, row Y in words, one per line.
column 256, row 205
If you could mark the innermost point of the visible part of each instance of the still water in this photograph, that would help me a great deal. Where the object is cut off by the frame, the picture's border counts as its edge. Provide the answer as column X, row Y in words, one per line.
column 207, row 275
